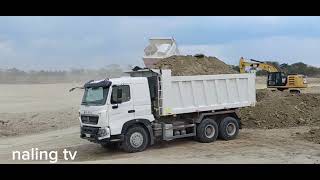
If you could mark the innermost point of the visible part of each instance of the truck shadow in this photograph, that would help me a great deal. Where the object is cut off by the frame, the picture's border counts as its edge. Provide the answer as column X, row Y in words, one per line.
column 173, row 143
column 91, row 152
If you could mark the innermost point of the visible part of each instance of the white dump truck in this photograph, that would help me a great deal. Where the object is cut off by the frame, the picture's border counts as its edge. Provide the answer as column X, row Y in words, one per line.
column 150, row 105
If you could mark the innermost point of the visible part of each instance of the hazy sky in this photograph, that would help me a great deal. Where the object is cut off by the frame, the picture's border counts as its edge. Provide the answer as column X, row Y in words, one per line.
column 66, row 42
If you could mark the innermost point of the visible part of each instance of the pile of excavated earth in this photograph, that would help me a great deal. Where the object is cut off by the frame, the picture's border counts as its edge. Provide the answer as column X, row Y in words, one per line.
column 194, row 65
column 274, row 109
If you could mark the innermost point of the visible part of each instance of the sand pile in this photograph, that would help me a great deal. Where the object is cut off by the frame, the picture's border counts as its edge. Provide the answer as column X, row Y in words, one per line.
column 191, row 65
column 282, row 109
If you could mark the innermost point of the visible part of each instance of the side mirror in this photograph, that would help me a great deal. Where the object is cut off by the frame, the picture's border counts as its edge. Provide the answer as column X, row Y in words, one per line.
column 115, row 106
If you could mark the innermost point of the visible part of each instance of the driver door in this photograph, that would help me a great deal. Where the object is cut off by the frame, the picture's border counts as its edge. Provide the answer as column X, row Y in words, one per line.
column 120, row 108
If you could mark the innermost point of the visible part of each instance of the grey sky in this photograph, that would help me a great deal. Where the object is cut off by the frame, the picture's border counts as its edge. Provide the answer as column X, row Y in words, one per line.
column 76, row 42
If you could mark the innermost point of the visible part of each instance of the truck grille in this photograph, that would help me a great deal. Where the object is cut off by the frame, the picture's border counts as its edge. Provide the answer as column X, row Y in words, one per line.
column 89, row 119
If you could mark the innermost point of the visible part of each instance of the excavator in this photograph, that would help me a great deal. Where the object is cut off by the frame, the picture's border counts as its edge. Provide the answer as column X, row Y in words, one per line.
column 276, row 78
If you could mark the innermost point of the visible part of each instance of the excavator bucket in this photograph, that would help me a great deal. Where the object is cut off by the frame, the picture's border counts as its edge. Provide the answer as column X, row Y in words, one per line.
column 158, row 49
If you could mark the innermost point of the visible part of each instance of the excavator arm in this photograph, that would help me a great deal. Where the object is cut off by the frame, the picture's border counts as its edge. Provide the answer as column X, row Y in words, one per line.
column 256, row 64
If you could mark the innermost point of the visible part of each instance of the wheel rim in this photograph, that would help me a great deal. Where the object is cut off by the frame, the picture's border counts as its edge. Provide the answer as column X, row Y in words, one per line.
column 209, row 131
column 231, row 129
column 136, row 139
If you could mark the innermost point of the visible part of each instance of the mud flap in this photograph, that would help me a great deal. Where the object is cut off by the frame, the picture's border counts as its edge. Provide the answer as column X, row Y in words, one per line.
column 151, row 134
column 237, row 116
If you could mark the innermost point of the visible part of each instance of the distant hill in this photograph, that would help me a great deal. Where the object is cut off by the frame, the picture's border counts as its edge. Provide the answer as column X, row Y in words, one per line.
column 14, row 76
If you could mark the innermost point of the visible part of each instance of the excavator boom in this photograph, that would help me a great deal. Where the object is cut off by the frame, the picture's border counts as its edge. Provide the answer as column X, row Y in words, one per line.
column 254, row 64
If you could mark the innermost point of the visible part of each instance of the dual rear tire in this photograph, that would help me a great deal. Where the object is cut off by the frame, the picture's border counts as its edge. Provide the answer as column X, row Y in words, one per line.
column 208, row 130
column 228, row 128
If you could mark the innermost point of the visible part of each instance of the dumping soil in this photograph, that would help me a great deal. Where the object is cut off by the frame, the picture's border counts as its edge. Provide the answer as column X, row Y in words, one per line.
column 313, row 135
column 276, row 109
column 191, row 65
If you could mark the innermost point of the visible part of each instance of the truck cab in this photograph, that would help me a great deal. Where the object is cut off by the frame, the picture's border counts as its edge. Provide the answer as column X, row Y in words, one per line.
column 108, row 106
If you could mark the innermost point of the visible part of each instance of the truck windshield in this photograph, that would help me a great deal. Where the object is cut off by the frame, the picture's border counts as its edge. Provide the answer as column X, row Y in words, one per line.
column 95, row 96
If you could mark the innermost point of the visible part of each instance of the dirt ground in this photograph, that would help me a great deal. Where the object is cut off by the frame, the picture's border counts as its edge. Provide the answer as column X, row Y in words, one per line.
column 252, row 146
column 34, row 108
column 45, row 117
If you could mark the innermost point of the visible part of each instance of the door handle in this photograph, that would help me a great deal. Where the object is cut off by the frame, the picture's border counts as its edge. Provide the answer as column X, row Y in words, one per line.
column 115, row 106
column 131, row 111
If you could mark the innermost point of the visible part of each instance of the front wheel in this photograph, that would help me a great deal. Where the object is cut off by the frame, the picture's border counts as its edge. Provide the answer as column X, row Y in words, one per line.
column 136, row 139
column 207, row 131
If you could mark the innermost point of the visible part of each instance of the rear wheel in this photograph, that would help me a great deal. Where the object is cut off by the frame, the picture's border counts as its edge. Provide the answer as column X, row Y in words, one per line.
column 228, row 128
column 136, row 139
column 207, row 131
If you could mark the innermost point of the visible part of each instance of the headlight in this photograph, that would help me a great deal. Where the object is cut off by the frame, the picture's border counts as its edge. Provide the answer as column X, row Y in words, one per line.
column 104, row 132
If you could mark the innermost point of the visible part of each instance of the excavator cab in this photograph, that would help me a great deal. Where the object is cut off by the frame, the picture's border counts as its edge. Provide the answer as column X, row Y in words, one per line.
column 277, row 79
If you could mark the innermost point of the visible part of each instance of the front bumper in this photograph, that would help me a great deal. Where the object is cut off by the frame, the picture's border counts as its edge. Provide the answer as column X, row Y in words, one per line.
column 98, row 134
